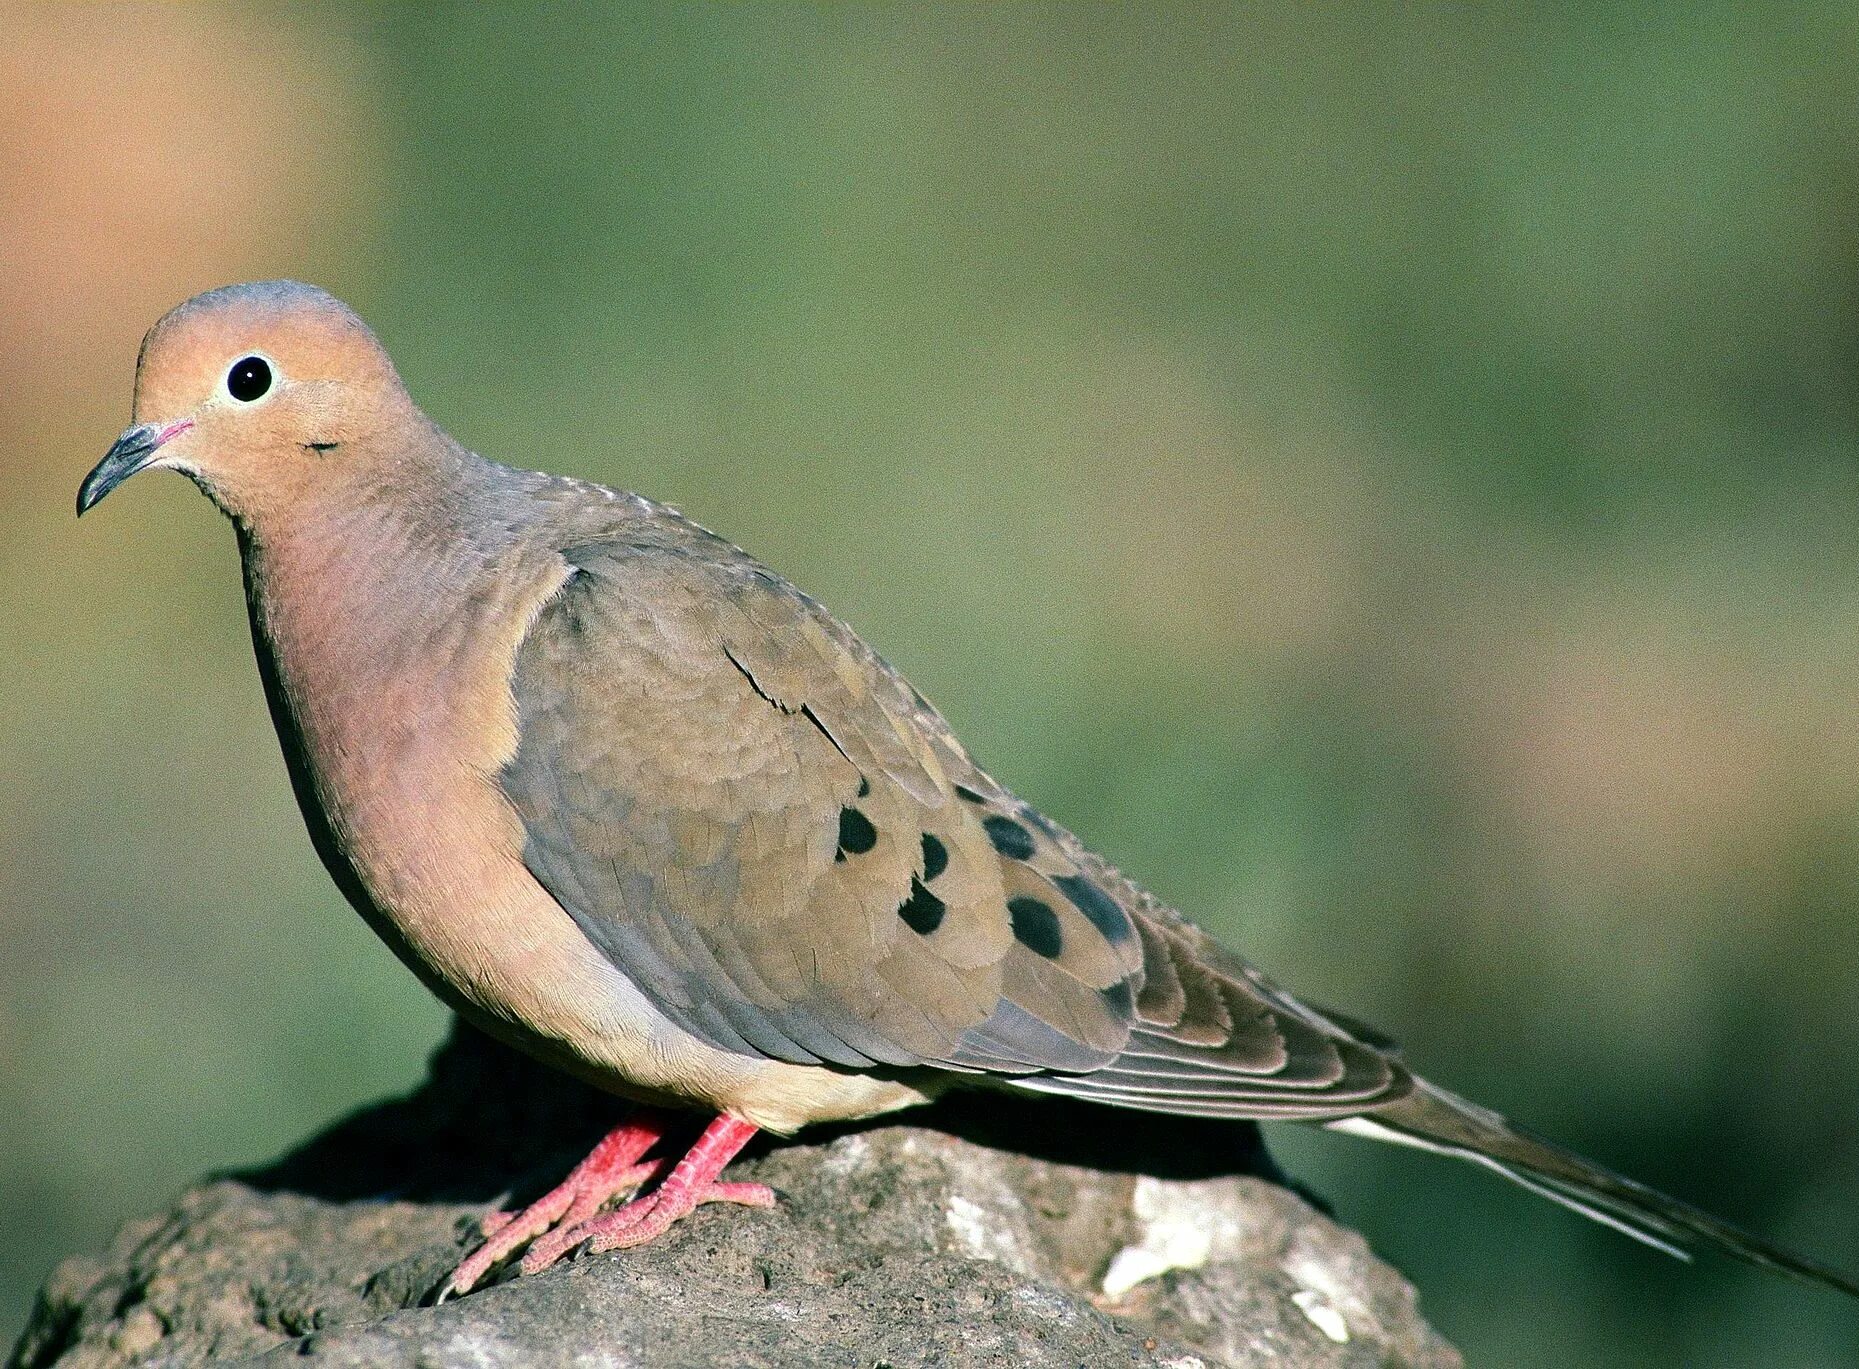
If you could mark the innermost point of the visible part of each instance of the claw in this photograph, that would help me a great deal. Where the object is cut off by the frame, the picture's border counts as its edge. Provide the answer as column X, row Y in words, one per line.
column 642, row 1220
column 569, row 1214
column 611, row 1168
column 690, row 1185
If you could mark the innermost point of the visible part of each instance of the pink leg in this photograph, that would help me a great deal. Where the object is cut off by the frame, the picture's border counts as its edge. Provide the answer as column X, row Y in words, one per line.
column 611, row 1167
column 690, row 1184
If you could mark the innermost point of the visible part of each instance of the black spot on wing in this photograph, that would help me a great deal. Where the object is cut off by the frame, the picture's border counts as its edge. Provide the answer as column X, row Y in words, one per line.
column 856, row 834
column 1038, row 819
column 1035, row 926
column 1120, row 998
column 922, row 911
column 864, row 786
column 935, row 857
column 1009, row 838
column 1097, row 905
column 967, row 795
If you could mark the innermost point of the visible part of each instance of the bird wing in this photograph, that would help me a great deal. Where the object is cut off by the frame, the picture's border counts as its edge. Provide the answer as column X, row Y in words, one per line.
column 782, row 844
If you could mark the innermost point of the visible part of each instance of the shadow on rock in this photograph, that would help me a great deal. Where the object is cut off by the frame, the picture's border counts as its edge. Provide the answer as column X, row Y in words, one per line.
column 491, row 1123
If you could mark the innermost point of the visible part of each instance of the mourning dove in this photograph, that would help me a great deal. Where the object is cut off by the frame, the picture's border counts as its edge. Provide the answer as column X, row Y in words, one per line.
column 627, row 799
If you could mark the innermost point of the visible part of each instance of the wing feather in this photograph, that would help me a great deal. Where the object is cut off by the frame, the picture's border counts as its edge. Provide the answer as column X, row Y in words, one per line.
column 791, row 855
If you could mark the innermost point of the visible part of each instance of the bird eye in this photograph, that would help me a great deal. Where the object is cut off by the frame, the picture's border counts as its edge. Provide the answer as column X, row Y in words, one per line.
column 249, row 379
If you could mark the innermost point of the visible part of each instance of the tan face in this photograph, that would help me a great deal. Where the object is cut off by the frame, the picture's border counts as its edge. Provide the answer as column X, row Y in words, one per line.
column 260, row 393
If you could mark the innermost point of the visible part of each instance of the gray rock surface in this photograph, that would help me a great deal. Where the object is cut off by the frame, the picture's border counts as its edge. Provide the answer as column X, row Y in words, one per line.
column 988, row 1233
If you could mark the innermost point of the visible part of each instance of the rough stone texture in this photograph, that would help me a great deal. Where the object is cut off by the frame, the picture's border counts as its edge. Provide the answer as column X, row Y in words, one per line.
column 983, row 1234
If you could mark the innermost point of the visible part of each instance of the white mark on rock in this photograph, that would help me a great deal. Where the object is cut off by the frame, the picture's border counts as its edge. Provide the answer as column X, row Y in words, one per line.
column 1133, row 1265
column 1322, row 1316
column 602, row 1360
column 977, row 1233
column 844, row 1155
column 1043, row 1302
column 468, row 1348
column 1172, row 1232
column 1328, row 1291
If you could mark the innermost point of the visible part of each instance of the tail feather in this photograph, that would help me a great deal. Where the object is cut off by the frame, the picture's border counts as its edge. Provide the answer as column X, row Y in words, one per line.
column 1432, row 1119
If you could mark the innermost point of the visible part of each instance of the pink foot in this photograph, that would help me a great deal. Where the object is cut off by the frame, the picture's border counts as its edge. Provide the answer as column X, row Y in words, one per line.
column 689, row 1186
column 612, row 1167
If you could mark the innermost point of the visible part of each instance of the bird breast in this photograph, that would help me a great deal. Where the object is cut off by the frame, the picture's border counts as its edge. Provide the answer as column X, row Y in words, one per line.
column 397, row 708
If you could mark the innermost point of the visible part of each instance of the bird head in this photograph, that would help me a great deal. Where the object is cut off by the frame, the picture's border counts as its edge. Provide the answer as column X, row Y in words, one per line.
column 259, row 393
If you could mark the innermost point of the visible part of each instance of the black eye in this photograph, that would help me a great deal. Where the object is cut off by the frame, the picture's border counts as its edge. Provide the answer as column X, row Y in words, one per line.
column 249, row 379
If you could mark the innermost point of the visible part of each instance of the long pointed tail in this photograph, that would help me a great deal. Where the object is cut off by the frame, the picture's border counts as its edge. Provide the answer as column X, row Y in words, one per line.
column 1432, row 1119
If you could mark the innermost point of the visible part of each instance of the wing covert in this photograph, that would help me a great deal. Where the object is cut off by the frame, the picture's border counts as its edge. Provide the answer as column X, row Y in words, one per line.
column 757, row 820
column 783, row 845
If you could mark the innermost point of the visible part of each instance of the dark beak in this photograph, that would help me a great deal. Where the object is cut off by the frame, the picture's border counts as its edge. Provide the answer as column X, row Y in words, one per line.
column 130, row 453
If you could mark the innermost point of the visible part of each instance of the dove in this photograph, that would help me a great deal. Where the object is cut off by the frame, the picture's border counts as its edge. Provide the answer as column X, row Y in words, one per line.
column 626, row 799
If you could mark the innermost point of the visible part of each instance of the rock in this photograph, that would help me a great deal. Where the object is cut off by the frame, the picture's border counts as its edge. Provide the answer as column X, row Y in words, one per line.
column 991, row 1231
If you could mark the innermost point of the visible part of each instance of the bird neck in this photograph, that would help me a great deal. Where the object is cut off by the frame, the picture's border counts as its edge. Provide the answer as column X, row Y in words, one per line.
column 376, row 622
column 403, row 506
column 373, row 582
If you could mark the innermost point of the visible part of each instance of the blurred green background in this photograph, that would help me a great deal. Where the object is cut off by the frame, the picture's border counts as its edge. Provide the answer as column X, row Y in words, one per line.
column 1389, row 479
